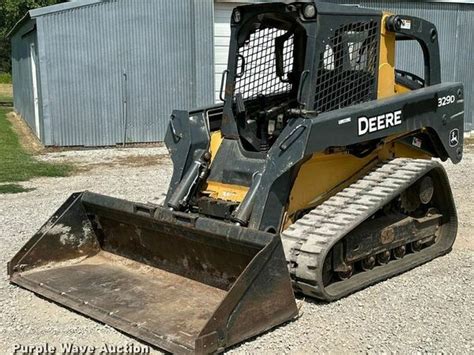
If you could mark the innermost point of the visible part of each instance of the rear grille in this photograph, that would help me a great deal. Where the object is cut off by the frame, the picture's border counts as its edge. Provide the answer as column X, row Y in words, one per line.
column 257, row 56
column 347, row 68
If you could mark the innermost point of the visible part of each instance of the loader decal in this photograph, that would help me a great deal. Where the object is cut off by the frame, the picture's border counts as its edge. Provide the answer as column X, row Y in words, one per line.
column 454, row 137
column 379, row 123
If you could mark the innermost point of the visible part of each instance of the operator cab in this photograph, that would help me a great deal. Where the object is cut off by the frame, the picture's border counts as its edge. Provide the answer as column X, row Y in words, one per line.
column 270, row 60
column 282, row 65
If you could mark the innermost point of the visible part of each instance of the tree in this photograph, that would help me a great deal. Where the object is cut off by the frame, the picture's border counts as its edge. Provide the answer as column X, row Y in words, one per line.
column 11, row 11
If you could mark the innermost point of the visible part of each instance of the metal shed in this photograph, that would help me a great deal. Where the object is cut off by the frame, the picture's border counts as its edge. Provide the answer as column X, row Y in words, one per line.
column 454, row 20
column 107, row 72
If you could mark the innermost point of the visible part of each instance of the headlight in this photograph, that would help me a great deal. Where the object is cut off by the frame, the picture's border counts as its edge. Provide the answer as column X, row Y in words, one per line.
column 237, row 16
column 309, row 11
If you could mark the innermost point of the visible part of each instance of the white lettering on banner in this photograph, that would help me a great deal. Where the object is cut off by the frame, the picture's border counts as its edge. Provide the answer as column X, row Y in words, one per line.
column 380, row 122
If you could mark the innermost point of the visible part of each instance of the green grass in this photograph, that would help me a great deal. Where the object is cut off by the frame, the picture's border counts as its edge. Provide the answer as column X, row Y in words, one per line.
column 5, row 78
column 13, row 189
column 18, row 165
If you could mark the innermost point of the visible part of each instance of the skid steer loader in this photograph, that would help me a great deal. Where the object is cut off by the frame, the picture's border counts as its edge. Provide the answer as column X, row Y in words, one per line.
column 314, row 176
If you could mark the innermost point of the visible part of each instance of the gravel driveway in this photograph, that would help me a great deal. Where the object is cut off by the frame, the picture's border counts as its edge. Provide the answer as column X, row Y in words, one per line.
column 429, row 309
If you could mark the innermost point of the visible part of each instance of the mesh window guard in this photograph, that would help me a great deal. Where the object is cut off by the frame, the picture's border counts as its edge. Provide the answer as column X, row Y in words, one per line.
column 260, row 74
column 347, row 69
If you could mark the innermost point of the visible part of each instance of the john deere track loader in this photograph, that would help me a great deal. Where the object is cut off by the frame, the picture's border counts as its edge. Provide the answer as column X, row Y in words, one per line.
column 314, row 176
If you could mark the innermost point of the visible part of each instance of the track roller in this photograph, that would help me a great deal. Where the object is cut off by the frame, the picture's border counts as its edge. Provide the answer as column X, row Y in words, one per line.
column 367, row 263
column 399, row 252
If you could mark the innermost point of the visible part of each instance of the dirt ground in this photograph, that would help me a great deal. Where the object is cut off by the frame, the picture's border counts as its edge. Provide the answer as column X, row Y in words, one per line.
column 461, row 177
column 6, row 90
column 429, row 309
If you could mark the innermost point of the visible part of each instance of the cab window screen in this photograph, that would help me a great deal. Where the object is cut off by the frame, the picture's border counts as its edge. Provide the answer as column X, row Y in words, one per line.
column 256, row 68
column 348, row 67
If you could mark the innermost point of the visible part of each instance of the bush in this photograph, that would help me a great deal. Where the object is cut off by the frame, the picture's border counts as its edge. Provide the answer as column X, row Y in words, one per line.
column 5, row 78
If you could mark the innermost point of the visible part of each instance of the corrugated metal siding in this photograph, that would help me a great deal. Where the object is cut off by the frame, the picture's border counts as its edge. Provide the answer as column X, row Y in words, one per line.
column 455, row 27
column 222, row 14
column 465, row 60
column 114, row 71
column 204, row 50
column 22, row 74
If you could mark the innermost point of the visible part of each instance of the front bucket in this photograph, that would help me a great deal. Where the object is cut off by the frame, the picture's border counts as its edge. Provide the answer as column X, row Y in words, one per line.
column 178, row 281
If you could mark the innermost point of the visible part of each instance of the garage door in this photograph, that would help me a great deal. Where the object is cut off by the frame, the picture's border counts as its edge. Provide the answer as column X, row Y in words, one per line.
column 222, row 14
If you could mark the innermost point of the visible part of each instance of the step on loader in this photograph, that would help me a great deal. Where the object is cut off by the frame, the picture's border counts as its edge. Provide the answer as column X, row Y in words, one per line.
column 315, row 176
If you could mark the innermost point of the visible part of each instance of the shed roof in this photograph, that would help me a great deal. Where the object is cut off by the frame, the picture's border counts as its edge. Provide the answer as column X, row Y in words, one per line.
column 32, row 14
column 35, row 13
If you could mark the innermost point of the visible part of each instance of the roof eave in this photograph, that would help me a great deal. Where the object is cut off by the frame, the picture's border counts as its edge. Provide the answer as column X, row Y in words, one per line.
column 32, row 14
column 20, row 23
column 62, row 7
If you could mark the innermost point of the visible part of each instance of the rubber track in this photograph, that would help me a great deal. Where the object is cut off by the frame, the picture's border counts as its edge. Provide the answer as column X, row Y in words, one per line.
column 308, row 241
